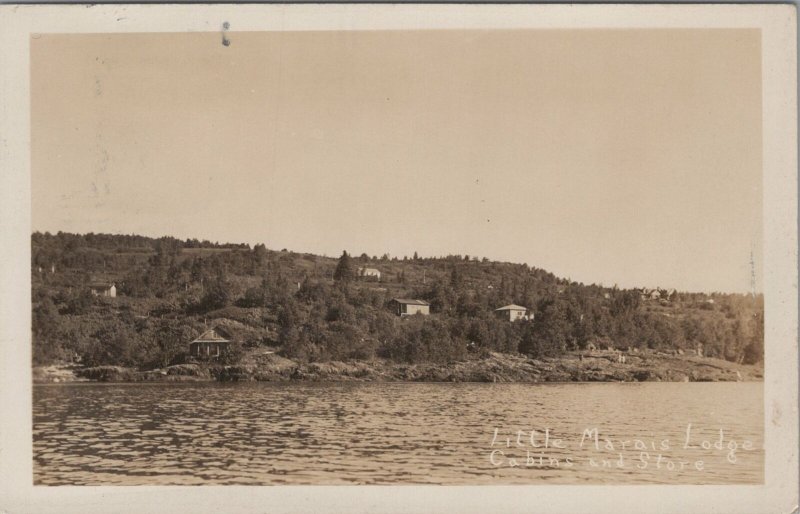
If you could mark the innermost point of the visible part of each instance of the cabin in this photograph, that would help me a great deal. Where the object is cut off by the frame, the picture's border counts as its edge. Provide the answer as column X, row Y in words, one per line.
column 405, row 307
column 211, row 343
column 649, row 294
column 512, row 312
column 369, row 274
column 108, row 290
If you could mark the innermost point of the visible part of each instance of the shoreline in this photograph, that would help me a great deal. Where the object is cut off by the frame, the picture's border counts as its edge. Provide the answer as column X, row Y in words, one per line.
column 597, row 366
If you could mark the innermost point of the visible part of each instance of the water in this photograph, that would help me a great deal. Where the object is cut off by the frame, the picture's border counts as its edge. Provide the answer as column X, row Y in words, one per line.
column 396, row 433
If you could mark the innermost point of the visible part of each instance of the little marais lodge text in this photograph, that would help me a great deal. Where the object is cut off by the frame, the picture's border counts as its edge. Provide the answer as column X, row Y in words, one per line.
column 526, row 448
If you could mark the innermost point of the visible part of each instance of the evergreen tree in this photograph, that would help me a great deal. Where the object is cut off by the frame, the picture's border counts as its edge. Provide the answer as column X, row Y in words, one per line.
column 344, row 269
column 455, row 278
column 260, row 254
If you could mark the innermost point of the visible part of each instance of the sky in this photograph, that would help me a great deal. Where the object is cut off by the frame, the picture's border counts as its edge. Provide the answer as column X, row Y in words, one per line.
column 628, row 157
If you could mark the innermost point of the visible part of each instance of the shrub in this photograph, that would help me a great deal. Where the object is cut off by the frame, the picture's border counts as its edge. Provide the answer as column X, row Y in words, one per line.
column 423, row 339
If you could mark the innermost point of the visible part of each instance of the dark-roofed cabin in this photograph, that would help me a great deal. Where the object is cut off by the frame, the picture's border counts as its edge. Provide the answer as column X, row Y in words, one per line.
column 103, row 289
column 406, row 307
column 211, row 343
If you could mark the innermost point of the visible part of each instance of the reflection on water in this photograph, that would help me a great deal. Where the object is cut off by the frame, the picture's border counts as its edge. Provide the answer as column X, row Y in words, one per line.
column 393, row 433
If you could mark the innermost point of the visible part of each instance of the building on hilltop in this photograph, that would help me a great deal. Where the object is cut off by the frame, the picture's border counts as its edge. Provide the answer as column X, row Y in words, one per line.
column 650, row 294
column 406, row 307
column 369, row 274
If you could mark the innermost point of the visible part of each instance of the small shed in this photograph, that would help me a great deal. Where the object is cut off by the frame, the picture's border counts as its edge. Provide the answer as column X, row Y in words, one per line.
column 408, row 307
column 512, row 312
column 107, row 289
column 211, row 343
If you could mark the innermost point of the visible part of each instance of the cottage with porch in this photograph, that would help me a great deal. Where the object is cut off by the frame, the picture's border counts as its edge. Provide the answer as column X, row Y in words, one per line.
column 211, row 343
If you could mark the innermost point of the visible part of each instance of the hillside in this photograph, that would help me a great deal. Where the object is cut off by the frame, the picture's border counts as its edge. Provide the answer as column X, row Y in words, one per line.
column 311, row 308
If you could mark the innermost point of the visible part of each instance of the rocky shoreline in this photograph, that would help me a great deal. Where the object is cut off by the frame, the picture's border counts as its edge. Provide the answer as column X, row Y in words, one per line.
column 496, row 367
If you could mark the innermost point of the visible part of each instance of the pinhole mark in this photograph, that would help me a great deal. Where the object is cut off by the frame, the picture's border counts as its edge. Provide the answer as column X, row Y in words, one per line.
column 225, row 40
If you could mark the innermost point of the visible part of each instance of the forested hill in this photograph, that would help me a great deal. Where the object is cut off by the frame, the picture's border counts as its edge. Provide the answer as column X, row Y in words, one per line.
column 314, row 308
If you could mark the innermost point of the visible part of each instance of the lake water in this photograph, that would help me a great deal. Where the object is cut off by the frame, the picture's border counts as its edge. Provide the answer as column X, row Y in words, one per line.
column 397, row 433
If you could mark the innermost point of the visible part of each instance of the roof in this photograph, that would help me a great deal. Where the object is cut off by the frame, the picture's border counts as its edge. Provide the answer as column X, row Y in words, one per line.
column 215, row 335
column 410, row 302
column 101, row 285
column 368, row 270
column 512, row 307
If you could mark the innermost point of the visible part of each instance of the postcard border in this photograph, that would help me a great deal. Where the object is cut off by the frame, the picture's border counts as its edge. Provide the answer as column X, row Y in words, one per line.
column 777, row 23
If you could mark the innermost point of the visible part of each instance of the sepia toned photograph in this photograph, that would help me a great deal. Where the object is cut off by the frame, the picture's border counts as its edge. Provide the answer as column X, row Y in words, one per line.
column 399, row 256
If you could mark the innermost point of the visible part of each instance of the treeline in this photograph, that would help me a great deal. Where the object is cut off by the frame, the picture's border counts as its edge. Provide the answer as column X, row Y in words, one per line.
column 317, row 308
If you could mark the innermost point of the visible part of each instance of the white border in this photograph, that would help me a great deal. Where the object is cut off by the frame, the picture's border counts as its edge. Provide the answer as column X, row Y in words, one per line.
column 778, row 495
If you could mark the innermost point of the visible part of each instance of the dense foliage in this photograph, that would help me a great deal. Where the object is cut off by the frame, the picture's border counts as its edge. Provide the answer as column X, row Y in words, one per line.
column 318, row 308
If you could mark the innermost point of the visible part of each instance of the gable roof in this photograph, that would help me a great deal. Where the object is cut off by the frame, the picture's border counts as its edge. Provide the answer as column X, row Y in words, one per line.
column 512, row 307
column 410, row 302
column 214, row 335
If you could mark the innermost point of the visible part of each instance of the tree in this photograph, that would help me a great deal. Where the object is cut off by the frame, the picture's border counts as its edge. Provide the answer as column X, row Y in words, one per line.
column 45, row 331
column 344, row 269
column 289, row 335
column 551, row 331
column 171, row 341
column 455, row 278
column 259, row 257
column 753, row 352
column 217, row 295
column 80, row 302
column 624, row 303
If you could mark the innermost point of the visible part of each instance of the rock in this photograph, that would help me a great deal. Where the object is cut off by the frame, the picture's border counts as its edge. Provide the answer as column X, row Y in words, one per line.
column 493, row 368
column 191, row 370
column 58, row 373
column 110, row 374
column 236, row 373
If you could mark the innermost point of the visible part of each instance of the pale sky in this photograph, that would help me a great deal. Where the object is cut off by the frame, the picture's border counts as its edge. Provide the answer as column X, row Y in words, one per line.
column 630, row 156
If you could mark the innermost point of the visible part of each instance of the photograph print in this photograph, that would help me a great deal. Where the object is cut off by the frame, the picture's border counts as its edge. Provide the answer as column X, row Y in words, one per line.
column 392, row 257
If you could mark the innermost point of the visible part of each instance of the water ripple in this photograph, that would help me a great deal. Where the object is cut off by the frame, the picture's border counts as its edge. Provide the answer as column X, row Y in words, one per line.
column 351, row 433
